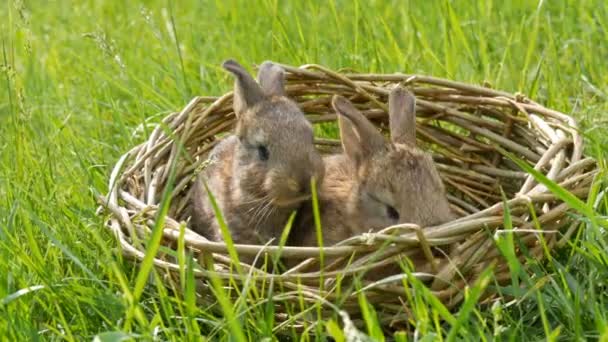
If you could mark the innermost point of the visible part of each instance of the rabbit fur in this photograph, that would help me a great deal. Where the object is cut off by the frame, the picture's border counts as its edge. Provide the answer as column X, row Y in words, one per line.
column 375, row 183
column 262, row 173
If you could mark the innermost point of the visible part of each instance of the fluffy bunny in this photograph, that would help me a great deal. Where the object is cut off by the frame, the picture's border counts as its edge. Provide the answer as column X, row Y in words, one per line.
column 261, row 173
column 375, row 183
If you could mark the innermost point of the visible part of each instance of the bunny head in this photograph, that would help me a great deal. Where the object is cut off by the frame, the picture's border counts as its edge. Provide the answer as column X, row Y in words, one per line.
column 275, row 158
column 396, row 182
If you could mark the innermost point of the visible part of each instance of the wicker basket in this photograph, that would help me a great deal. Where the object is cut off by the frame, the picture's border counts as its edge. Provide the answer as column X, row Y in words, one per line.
column 468, row 128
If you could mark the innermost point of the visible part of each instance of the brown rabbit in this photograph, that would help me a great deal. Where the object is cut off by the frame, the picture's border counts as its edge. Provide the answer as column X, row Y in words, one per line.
column 261, row 173
column 375, row 183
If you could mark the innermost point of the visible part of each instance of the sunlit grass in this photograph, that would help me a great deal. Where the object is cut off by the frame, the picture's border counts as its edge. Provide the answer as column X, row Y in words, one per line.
column 77, row 78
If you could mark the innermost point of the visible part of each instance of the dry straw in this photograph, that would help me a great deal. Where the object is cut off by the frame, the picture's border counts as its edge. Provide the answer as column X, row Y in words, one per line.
column 467, row 127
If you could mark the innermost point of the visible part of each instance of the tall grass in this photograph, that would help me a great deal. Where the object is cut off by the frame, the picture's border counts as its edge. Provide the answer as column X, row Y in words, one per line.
column 78, row 77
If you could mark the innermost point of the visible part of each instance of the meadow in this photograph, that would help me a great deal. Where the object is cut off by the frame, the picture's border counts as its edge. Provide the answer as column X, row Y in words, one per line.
column 78, row 77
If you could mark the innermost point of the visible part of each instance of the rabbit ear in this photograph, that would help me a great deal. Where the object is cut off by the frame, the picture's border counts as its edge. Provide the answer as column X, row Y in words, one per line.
column 246, row 90
column 360, row 139
column 272, row 79
column 402, row 116
column 350, row 139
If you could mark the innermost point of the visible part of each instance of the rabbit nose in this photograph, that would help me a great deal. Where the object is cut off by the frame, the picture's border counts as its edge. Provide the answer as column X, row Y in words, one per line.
column 293, row 185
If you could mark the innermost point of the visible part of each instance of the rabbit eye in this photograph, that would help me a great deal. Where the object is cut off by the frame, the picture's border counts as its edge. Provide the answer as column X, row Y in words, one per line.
column 392, row 213
column 263, row 153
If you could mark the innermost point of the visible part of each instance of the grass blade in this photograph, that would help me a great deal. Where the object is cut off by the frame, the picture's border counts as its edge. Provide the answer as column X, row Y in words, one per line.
column 474, row 293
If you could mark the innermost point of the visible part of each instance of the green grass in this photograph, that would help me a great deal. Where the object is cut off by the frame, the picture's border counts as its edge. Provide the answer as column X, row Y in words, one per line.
column 77, row 77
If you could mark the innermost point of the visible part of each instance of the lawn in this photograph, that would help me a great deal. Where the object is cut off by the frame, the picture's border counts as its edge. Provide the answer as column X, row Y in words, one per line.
column 78, row 77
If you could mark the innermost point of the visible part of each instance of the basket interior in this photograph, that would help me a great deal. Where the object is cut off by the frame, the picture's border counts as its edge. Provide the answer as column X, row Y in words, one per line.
column 462, row 132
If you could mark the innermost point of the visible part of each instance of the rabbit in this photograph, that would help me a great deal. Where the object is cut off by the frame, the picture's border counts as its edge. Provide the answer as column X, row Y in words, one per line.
column 262, row 172
column 374, row 183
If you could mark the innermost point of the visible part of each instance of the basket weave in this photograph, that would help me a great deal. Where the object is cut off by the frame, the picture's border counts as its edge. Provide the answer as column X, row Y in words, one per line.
column 465, row 126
